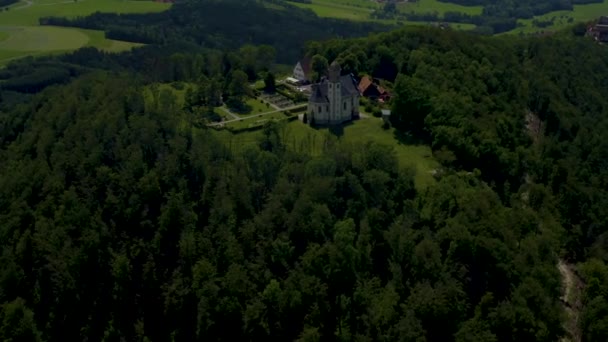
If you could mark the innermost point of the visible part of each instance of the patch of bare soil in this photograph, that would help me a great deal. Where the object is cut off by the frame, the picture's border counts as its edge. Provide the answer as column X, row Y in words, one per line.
column 571, row 299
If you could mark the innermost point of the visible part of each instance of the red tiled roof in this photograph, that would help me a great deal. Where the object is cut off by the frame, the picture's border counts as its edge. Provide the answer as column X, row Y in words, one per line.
column 364, row 84
column 306, row 64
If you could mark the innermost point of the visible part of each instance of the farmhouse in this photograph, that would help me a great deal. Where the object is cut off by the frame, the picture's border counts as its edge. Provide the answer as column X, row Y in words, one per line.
column 369, row 88
column 334, row 100
column 301, row 71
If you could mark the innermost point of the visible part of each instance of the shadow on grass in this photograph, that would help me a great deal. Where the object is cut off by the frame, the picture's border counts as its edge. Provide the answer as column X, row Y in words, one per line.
column 409, row 138
column 337, row 130
column 243, row 109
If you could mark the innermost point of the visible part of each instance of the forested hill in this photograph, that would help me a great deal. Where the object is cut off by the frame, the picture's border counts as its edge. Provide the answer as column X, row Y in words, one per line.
column 120, row 220
column 520, row 110
column 225, row 24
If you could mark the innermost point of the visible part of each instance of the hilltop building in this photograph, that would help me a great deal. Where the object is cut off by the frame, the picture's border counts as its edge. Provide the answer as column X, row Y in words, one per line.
column 302, row 70
column 599, row 31
column 371, row 89
column 334, row 100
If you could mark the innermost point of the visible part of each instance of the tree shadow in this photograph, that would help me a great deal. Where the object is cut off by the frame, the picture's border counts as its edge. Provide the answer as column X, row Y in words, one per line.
column 408, row 138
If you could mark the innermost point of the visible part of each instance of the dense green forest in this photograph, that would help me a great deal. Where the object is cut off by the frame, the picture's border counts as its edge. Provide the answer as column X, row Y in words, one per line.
column 116, row 222
column 120, row 218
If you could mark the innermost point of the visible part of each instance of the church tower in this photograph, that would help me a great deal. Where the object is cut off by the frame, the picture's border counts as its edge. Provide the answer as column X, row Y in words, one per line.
column 334, row 93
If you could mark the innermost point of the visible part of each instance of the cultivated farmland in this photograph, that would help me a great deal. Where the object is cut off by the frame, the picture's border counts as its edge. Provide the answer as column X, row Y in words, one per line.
column 20, row 34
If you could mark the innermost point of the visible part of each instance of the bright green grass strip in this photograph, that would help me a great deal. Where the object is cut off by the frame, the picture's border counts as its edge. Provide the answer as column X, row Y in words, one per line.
column 97, row 39
column 428, row 6
column 329, row 10
column 3, row 36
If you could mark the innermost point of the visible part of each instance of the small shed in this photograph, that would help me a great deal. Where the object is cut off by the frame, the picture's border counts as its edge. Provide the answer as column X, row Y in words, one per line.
column 386, row 115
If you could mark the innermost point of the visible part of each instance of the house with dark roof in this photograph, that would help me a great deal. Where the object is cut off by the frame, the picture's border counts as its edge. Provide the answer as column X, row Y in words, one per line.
column 600, row 30
column 302, row 70
column 368, row 88
column 334, row 100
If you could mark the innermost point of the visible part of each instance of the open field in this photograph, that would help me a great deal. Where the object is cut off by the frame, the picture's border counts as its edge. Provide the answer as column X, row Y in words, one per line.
column 28, row 16
column 303, row 138
column 428, row 6
column 580, row 13
column 20, row 34
column 38, row 38
column 360, row 10
column 339, row 10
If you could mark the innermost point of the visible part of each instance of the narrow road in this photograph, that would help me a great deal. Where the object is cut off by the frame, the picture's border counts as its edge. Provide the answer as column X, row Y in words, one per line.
column 227, row 111
column 255, row 116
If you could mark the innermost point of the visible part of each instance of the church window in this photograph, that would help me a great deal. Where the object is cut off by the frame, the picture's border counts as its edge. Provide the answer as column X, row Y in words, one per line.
column 344, row 105
column 330, row 86
column 320, row 109
column 327, row 108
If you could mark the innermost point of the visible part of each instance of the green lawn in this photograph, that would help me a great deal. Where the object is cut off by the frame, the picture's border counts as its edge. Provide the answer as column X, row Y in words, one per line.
column 257, row 107
column 256, row 120
column 20, row 34
column 302, row 138
column 580, row 13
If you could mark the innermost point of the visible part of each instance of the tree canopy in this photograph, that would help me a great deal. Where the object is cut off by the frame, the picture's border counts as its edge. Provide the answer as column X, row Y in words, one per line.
column 122, row 220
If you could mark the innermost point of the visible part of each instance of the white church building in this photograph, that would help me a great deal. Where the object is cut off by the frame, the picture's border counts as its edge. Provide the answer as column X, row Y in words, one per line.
column 334, row 100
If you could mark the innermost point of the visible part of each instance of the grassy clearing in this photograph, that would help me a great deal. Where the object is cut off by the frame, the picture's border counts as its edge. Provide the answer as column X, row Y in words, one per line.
column 20, row 34
column 579, row 13
column 302, row 138
column 97, row 39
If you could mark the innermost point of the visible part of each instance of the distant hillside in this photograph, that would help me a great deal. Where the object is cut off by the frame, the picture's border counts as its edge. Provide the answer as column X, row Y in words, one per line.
column 224, row 24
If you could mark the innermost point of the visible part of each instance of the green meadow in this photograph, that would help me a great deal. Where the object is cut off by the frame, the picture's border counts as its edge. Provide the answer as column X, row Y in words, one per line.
column 302, row 138
column 360, row 10
column 339, row 9
column 579, row 13
column 20, row 34
column 429, row 6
